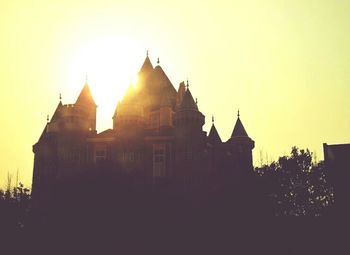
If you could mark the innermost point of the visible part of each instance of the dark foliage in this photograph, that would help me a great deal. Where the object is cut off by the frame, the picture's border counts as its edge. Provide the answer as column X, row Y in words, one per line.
column 296, row 186
column 14, row 209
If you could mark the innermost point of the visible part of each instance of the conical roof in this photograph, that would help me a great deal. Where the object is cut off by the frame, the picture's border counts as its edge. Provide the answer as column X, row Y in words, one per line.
column 213, row 136
column 43, row 133
column 116, row 109
column 146, row 66
column 180, row 93
column 56, row 114
column 85, row 96
column 188, row 102
column 129, row 94
column 239, row 130
column 161, row 80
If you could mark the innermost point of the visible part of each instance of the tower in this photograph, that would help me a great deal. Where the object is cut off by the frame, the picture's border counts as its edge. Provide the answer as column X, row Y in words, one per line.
column 61, row 150
column 240, row 147
column 215, row 150
column 189, row 136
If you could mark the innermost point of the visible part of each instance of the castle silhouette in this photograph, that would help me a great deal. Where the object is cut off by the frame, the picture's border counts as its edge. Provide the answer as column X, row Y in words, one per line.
column 157, row 138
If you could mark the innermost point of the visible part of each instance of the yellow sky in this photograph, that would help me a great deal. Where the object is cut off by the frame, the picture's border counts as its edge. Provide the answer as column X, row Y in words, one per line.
column 284, row 64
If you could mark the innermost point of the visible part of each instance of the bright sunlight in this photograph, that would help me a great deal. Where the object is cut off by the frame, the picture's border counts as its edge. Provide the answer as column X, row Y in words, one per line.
column 110, row 64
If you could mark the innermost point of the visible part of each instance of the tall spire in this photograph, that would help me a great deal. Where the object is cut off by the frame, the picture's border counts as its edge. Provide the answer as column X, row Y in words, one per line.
column 188, row 102
column 57, row 112
column 146, row 66
column 239, row 130
column 60, row 97
column 213, row 136
column 85, row 96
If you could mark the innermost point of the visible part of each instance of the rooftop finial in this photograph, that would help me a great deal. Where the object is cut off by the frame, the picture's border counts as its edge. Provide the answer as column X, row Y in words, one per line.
column 238, row 114
column 187, row 84
column 47, row 119
column 60, row 97
column 147, row 53
column 158, row 61
column 212, row 119
column 86, row 78
column 196, row 101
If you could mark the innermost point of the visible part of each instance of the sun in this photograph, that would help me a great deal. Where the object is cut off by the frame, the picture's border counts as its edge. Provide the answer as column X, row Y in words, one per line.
column 109, row 64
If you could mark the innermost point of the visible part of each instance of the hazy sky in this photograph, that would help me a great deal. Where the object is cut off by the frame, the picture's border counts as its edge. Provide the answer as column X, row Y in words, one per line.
column 284, row 64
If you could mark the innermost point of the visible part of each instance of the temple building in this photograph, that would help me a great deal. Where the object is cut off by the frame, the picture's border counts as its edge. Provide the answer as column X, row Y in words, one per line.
column 156, row 137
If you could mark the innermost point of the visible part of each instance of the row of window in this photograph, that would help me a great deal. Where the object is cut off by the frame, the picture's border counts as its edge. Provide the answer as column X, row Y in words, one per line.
column 159, row 158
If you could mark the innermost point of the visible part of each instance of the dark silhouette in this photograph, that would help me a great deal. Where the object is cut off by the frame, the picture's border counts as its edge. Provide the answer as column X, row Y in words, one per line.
column 296, row 186
column 157, row 141
column 337, row 162
column 109, row 210
column 156, row 182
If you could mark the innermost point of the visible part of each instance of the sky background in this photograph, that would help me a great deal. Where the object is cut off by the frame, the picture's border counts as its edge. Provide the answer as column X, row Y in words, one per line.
column 284, row 64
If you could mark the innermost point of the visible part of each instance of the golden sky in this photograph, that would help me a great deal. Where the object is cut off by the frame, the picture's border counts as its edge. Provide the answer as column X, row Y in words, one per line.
column 284, row 64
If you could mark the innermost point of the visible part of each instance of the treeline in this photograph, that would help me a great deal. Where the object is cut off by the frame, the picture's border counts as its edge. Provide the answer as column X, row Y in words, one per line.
column 296, row 186
column 15, row 205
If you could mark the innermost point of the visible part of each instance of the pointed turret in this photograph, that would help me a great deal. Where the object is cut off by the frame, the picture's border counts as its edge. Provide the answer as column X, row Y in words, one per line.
column 161, row 80
column 85, row 96
column 180, row 94
column 187, row 116
column 213, row 136
column 240, row 145
column 116, row 109
column 129, row 94
column 147, row 66
column 239, row 130
column 51, row 126
column 129, row 112
column 144, row 73
column 42, row 136
column 188, row 102
column 158, row 83
column 56, row 115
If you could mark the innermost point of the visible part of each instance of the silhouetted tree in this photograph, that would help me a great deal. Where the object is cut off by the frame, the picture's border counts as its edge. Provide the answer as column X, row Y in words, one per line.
column 297, row 186
column 14, row 207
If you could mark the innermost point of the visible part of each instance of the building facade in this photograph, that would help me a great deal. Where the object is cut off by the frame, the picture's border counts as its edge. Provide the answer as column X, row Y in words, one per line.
column 157, row 137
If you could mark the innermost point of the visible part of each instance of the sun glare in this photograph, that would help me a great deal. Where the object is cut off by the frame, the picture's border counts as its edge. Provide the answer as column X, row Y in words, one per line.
column 109, row 65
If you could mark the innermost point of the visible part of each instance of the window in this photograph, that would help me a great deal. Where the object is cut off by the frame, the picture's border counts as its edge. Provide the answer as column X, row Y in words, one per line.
column 100, row 153
column 128, row 156
column 131, row 156
column 159, row 160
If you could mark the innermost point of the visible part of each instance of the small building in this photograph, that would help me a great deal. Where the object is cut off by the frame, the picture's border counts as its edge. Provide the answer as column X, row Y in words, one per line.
column 337, row 163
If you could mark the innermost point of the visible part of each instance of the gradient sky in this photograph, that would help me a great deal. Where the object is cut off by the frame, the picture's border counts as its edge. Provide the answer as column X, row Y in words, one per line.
column 284, row 64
